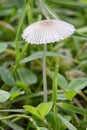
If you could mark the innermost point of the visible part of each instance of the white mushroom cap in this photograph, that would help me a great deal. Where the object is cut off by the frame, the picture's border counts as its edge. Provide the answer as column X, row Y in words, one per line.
column 47, row 31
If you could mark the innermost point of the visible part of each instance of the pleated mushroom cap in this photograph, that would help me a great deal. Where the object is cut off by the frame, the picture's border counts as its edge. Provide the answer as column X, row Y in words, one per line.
column 47, row 31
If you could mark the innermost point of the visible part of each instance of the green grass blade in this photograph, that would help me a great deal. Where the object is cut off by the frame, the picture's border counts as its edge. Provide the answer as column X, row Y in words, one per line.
column 67, row 123
column 55, row 84
column 73, row 109
column 46, row 10
column 69, row 4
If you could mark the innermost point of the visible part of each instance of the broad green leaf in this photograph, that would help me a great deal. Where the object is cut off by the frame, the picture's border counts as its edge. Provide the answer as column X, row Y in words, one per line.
column 13, row 125
column 3, row 47
column 43, row 128
column 72, row 108
column 67, row 123
column 62, row 82
column 2, row 128
column 61, row 96
column 39, row 55
column 32, row 110
column 83, row 1
column 70, row 94
column 16, row 94
column 77, row 84
column 23, row 86
column 44, row 108
column 50, row 118
column 26, row 76
column 4, row 95
column 6, row 76
column 5, row 12
column 34, row 56
column 40, row 111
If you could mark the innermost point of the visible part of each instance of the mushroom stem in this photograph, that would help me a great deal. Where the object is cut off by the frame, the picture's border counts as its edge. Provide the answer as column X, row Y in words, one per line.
column 44, row 74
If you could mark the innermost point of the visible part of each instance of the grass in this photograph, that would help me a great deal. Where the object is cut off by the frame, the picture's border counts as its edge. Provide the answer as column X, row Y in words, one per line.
column 21, row 82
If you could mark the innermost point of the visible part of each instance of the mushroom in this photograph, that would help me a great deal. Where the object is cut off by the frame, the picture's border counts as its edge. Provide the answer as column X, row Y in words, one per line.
column 47, row 31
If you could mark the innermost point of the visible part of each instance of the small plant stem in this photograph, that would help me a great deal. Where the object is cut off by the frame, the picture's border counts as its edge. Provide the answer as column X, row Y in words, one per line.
column 27, row 117
column 55, row 116
column 45, row 121
column 55, row 96
column 30, row 11
column 44, row 74
column 18, row 31
column 20, row 56
column 21, row 116
column 17, row 34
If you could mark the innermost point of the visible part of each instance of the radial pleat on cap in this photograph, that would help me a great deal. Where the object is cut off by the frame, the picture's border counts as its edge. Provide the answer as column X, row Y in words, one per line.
column 47, row 31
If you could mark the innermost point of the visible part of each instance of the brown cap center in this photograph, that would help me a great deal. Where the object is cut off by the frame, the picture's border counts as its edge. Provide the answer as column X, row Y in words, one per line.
column 46, row 23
